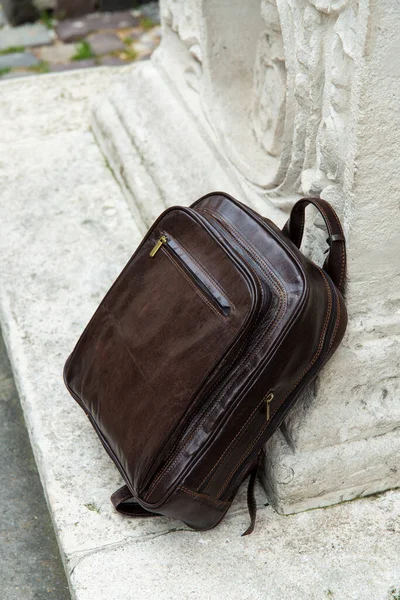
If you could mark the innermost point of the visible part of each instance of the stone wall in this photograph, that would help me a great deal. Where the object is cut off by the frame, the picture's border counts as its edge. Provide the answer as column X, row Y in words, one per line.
column 271, row 100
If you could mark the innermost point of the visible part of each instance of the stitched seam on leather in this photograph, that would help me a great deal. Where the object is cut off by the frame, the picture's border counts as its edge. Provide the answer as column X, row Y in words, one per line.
column 330, row 231
column 315, row 357
column 280, row 311
column 167, row 466
column 120, row 497
column 343, row 252
column 272, row 327
column 206, row 273
column 266, row 270
column 336, row 324
column 301, row 232
column 236, row 438
column 220, row 503
column 196, row 289
column 343, row 265
column 257, row 258
column 255, row 274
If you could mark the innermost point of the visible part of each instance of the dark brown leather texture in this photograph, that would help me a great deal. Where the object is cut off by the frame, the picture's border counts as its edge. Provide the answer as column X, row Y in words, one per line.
column 201, row 347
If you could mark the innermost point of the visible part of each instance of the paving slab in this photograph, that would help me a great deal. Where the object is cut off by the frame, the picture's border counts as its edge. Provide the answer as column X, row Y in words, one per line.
column 56, row 54
column 72, row 30
column 66, row 231
column 112, row 61
column 103, row 43
column 18, row 59
column 29, row 35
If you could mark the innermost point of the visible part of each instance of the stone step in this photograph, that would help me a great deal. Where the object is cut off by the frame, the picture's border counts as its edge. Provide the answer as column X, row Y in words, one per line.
column 148, row 149
column 65, row 233
column 161, row 156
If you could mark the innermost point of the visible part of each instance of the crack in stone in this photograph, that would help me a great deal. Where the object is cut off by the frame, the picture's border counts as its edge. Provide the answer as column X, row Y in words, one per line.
column 80, row 555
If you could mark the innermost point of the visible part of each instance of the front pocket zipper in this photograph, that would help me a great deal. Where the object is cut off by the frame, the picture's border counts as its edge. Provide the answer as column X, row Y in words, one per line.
column 202, row 281
column 268, row 399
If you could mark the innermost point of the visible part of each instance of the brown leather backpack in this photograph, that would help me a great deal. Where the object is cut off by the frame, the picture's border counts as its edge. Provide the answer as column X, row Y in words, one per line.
column 201, row 347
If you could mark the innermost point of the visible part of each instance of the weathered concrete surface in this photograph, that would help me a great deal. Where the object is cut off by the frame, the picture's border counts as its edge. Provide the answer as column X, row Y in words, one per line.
column 30, row 564
column 346, row 552
column 65, row 233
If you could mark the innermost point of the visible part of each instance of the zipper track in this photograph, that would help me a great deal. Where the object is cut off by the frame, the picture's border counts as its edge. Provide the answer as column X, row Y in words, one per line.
column 283, row 409
column 203, row 282
column 242, row 265
column 220, row 225
column 251, row 280
column 210, row 405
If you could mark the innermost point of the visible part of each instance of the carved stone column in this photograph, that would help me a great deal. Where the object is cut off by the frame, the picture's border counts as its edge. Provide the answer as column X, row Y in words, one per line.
column 271, row 100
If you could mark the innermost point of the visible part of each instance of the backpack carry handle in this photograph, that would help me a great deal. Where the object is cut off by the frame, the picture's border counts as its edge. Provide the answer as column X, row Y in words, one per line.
column 124, row 502
column 335, row 263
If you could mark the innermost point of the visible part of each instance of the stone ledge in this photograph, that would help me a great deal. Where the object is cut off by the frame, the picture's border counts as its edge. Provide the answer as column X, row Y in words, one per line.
column 295, row 481
column 161, row 155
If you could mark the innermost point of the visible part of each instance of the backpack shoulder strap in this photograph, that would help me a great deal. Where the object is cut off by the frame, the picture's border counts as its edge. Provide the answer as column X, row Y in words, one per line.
column 335, row 263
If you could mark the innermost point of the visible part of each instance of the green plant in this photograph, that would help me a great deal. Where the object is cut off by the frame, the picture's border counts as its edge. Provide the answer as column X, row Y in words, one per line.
column 128, row 54
column 5, row 70
column 146, row 23
column 92, row 506
column 47, row 19
column 83, row 51
column 42, row 67
column 12, row 50
column 394, row 594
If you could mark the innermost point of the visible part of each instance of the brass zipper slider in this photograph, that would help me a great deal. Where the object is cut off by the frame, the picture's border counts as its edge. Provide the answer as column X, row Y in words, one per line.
column 160, row 242
column 268, row 399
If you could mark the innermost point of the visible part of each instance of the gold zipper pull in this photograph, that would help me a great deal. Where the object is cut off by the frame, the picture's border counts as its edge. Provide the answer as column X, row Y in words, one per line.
column 160, row 242
column 268, row 399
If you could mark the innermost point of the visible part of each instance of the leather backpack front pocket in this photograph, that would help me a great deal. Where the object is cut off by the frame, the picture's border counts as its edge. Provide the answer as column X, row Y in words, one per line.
column 162, row 336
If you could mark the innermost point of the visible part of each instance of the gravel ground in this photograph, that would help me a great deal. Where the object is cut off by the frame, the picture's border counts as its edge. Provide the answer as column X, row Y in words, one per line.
column 99, row 38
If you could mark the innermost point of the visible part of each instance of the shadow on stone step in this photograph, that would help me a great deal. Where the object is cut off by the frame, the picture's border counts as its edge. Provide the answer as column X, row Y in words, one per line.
column 30, row 563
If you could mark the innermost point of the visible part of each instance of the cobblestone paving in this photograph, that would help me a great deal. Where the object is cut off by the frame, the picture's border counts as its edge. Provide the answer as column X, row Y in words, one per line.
column 100, row 38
